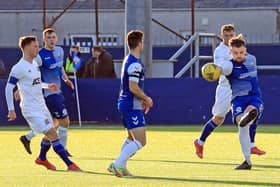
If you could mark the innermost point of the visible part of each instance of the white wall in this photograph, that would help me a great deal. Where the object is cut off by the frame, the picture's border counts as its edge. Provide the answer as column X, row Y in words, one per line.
column 259, row 25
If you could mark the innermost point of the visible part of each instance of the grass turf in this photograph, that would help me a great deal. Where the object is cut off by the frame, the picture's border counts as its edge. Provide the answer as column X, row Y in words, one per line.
column 167, row 160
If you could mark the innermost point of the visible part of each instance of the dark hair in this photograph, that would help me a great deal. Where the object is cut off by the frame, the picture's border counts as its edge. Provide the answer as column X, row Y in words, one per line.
column 237, row 41
column 48, row 31
column 75, row 47
column 227, row 27
column 133, row 38
column 26, row 40
column 97, row 48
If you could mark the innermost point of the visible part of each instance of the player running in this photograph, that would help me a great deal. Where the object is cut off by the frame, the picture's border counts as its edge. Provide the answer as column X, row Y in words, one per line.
column 50, row 60
column 26, row 75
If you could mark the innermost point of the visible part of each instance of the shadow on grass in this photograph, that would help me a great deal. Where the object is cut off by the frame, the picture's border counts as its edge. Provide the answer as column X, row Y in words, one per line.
column 177, row 179
column 186, row 162
column 207, row 181
column 209, row 163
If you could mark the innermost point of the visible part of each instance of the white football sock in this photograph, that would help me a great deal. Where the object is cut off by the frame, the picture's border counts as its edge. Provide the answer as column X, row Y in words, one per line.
column 252, row 144
column 126, row 153
column 244, row 139
column 30, row 135
column 62, row 133
column 126, row 142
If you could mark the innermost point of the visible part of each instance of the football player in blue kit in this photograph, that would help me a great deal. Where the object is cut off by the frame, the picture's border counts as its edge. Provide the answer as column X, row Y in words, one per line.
column 247, row 104
column 132, row 103
column 50, row 61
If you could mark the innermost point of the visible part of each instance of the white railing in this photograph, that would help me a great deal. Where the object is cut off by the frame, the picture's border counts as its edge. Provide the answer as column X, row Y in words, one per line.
column 194, row 39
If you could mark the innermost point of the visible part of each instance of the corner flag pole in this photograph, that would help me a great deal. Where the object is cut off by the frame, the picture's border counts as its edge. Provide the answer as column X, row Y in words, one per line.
column 77, row 98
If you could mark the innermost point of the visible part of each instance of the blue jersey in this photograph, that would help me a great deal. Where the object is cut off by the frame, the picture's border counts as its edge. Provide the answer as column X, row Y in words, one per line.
column 132, row 70
column 243, row 78
column 51, row 62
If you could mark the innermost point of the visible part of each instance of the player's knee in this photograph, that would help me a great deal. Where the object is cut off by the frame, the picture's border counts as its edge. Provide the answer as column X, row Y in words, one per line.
column 51, row 134
column 218, row 120
column 65, row 122
column 140, row 144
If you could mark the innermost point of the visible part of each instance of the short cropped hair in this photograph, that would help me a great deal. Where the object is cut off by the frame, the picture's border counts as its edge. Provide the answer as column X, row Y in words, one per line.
column 48, row 31
column 97, row 48
column 133, row 38
column 76, row 47
column 237, row 41
column 227, row 27
column 26, row 40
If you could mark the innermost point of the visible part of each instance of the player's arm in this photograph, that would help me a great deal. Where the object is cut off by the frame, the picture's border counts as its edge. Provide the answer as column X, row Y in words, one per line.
column 50, row 86
column 226, row 68
column 11, row 83
column 134, row 71
column 66, row 79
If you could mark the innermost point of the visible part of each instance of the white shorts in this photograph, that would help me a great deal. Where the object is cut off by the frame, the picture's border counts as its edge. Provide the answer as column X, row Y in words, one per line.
column 39, row 121
column 222, row 101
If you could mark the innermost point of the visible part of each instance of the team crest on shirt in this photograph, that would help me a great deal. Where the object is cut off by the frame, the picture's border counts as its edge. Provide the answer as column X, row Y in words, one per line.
column 238, row 109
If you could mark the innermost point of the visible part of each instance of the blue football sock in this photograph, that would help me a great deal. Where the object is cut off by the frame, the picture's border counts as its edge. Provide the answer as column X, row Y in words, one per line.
column 208, row 128
column 59, row 149
column 253, row 129
column 45, row 146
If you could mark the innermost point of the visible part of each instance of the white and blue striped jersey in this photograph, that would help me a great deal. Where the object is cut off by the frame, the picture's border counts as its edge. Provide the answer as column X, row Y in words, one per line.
column 243, row 77
column 51, row 62
column 132, row 70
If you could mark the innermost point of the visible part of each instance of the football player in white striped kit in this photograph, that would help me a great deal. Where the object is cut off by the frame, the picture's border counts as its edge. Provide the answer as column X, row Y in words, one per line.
column 223, row 96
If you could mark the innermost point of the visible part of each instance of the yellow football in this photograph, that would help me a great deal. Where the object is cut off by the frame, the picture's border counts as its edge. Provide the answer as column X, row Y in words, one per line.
column 210, row 72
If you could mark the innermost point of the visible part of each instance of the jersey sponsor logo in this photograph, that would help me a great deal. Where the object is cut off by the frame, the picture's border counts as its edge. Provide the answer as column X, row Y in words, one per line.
column 238, row 67
column 36, row 81
column 55, row 65
column 249, row 74
column 47, row 58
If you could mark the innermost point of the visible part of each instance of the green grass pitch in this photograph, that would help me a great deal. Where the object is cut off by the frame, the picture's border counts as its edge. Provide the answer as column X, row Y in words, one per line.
column 167, row 160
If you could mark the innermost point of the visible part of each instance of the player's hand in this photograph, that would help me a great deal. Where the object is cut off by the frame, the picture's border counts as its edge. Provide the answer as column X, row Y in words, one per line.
column 17, row 95
column 53, row 87
column 70, row 83
column 147, row 104
column 12, row 115
column 145, row 107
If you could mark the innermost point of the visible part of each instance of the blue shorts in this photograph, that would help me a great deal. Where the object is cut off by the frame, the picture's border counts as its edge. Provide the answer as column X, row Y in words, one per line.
column 240, row 103
column 55, row 104
column 133, row 118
